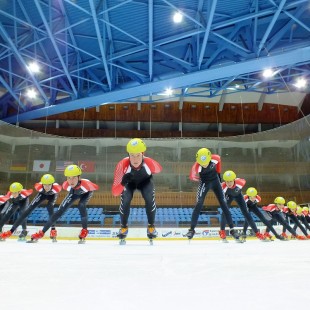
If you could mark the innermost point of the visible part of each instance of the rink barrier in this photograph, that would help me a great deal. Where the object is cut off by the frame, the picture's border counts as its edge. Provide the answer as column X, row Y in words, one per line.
column 174, row 233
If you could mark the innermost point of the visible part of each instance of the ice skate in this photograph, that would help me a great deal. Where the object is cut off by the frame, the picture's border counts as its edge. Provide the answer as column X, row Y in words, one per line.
column 285, row 236
column 261, row 237
column 235, row 235
column 5, row 235
column 151, row 233
column 222, row 234
column 280, row 238
column 301, row 237
column 190, row 234
column 268, row 236
column 22, row 236
column 122, row 234
column 243, row 237
column 53, row 235
column 83, row 234
column 35, row 237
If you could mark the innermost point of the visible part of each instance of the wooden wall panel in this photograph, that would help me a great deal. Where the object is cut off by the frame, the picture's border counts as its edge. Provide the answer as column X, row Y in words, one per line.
column 192, row 112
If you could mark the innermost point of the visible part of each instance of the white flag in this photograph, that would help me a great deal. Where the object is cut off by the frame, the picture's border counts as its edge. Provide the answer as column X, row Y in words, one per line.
column 41, row 165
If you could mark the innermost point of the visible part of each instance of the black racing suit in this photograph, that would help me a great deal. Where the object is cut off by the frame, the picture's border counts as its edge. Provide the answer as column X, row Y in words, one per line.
column 303, row 220
column 209, row 179
column 138, row 179
column 253, row 207
column 74, row 194
column 277, row 216
column 51, row 198
column 11, row 207
column 235, row 194
column 290, row 215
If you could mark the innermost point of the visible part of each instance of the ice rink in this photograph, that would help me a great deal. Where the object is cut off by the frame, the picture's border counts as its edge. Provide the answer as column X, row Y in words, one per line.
column 168, row 275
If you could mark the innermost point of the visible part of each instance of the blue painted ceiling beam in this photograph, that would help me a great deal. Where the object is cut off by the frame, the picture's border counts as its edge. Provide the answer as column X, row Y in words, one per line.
column 270, row 26
column 203, row 76
column 10, row 90
column 22, row 61
column 50, row 34
column 101, row 47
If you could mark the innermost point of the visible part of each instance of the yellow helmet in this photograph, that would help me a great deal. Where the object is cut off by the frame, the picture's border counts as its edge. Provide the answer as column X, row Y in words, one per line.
column 305, row 209
column 292, row 205
column 251, row 192
column 16, row 187
column 299, row 210
column 203, row 157
column 135, row 146
column 47, row 179
column 72, row 171
column 279, row 200
column 229, row 175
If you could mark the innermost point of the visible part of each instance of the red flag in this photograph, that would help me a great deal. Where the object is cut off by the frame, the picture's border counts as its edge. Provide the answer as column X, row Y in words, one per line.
column 87, row 166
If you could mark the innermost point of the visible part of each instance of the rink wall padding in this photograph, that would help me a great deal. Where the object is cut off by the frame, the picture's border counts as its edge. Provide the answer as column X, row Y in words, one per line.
column 172, row 233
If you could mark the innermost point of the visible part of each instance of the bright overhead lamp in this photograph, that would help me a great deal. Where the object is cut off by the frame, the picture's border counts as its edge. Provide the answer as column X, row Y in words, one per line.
column 177, row 17
column 301, row 83
column 268, row 73
column 31, row 93
column 168, row 92
column 34, row 67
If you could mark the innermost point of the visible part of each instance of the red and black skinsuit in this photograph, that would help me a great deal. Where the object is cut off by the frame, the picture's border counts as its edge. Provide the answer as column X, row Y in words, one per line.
column 235, row 194
column 12, row 205
column 289, row 214
column 208, row 178
column 127, row 179
column 253, row 207
column 277, row 216
column 50, row 196
column 83, row 192
column 304, row 219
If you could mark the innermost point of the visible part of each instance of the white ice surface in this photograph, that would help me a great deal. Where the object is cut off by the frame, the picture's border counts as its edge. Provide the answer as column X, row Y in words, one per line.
column 169, row 275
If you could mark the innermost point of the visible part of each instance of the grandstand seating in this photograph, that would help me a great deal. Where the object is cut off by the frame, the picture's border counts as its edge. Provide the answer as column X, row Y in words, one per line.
column 164, row 217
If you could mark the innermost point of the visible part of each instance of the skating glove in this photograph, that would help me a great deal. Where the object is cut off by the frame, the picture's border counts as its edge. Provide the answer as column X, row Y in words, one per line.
column 126, row 179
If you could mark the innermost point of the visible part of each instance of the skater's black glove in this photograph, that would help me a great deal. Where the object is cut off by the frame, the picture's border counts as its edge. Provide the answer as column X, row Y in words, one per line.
column 126, row 179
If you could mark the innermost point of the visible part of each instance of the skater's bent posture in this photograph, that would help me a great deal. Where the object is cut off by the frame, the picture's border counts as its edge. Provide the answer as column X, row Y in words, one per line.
column 135, row 173
column 277, row 216
column 206, row 170
column 252, row 200
column 232, row 187
column 79, row 189
column 17, row 199
column 47, row 191
column 289, row 211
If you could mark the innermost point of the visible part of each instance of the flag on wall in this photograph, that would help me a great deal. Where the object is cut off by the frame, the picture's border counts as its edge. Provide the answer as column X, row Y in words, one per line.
column 87, row 166
column 18, row 166
column 41, row 165
column 61, row 165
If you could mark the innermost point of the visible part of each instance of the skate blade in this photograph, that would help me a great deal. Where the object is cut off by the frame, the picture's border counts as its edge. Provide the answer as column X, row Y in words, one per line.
column 151, row 241
column 122, row 242
column 82, row 241
column 2, row 240
column 32, row 241
column 224, row 241
column 54, row 240
column 22, row 240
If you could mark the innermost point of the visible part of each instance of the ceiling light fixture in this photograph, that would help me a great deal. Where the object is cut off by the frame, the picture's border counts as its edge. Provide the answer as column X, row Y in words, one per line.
column 300, row 83
column 268, row 73
column 177, row 17
column 31, row 93
column 34, row 67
